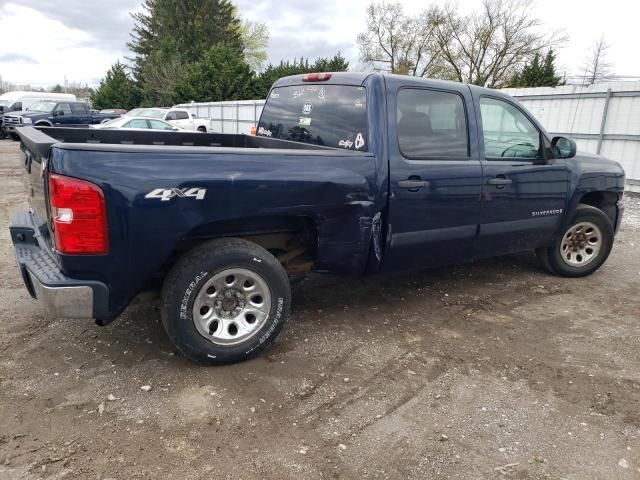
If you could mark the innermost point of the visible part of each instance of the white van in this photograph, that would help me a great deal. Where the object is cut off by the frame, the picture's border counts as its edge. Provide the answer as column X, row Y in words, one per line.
column 18, row 101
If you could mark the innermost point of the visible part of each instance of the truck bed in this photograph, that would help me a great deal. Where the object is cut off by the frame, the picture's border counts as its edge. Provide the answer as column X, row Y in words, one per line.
column 249, row 186
column 40, row 139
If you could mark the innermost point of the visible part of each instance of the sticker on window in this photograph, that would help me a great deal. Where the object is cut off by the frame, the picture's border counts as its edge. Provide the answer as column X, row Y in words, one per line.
column 306, row 121
column 307, row 107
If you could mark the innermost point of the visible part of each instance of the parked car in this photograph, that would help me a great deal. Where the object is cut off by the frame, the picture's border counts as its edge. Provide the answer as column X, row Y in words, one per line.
column 55, row 114
column 350, row 174
column 180, row 117
column 137, row 123
column 18, row 101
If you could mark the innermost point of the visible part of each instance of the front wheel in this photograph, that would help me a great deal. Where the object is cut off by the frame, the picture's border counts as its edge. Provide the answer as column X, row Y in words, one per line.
column 584, row 246
column 225, row 301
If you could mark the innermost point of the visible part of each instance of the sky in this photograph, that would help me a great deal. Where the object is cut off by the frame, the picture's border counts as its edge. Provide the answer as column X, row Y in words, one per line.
column 80, row 39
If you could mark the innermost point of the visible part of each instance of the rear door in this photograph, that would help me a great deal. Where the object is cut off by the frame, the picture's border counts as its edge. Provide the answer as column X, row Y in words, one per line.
column 435, row 175
column 81, row 114
column 524, row 192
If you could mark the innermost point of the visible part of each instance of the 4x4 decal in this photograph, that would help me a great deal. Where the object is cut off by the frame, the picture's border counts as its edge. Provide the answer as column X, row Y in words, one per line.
column 166, row 194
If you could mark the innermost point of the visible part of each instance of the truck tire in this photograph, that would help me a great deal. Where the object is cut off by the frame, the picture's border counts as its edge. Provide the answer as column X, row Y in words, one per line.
column 584, row 246
column 225, row 301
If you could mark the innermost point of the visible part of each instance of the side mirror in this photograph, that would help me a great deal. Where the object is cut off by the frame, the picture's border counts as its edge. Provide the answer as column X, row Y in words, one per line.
column 563, row 147
column 1, row 109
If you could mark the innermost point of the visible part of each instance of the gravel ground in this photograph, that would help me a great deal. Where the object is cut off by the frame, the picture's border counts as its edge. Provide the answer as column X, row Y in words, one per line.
column 488, row 370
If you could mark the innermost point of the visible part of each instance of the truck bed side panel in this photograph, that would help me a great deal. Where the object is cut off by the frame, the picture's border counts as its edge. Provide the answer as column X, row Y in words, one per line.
column 333, row 191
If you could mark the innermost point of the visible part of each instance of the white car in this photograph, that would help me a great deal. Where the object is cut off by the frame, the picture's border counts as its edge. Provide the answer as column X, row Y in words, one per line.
column 138, row 123
column 180, row 117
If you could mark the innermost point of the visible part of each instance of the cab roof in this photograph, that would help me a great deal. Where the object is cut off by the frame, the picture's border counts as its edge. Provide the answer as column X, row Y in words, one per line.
column 359, row 78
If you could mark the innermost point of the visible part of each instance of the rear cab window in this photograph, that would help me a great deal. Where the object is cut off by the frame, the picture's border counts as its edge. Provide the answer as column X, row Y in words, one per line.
column 432, row 124
column 329, row 115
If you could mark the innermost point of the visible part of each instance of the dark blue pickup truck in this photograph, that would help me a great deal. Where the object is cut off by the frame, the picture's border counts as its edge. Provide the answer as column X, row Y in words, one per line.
column 352, row 174
column 49, row 113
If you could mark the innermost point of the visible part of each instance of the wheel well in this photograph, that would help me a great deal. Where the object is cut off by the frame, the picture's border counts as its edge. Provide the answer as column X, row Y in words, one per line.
column 605, row 201
column 202, row 128
column 43, row 124
column 291, row 240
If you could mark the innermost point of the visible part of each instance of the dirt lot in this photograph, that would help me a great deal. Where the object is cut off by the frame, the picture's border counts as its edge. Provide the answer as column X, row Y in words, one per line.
column 489, row 370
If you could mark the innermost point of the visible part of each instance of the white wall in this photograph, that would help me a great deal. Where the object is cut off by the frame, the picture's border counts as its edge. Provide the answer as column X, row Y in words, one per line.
column 572, row 110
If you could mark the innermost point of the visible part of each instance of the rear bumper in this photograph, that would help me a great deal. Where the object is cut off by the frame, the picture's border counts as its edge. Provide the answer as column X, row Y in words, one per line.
column 61, row 295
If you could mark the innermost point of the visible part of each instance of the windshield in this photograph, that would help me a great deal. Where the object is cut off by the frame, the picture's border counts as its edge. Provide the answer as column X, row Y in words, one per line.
column 112, row 121
column 330, row 115
column 44, row 107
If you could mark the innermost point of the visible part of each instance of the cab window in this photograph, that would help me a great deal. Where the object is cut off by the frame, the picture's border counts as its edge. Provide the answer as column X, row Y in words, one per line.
column 319, row 114
column 432, row 124
column 64, row 107
column 507, row 132
column 79, row 109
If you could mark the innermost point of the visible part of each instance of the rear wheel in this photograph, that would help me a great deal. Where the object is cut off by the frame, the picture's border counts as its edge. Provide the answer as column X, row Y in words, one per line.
column 225, row 301
column 584, row 246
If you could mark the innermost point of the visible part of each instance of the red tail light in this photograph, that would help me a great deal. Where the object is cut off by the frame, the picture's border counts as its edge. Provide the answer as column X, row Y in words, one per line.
column 316, row 77
column 78, row 216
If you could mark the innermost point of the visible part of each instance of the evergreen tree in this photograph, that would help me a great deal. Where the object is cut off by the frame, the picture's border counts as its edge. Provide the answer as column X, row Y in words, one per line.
column 220, row 75
column 169, row 35
column 116, row 90
column 538, row 73
column 298, row 66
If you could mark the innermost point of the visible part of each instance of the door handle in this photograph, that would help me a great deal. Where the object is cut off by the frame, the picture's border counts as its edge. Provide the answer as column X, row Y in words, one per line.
column 413, row 184
column 500, row 181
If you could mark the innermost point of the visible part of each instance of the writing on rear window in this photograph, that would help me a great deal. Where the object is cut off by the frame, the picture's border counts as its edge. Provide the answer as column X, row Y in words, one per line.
column 329, row 115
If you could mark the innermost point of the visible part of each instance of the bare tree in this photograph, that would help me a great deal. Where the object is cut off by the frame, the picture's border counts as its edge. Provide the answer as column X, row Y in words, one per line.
column 396, row 43
column 255, row 37
column 489, row 46
column 597, row 68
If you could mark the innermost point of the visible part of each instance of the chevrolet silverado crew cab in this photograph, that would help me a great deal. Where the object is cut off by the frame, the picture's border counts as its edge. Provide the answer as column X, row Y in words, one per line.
column 350, row 174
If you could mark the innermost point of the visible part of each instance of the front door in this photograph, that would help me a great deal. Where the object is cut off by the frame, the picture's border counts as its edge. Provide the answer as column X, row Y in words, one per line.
column 435, row 177
column 63, row 115
column 523, row 192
